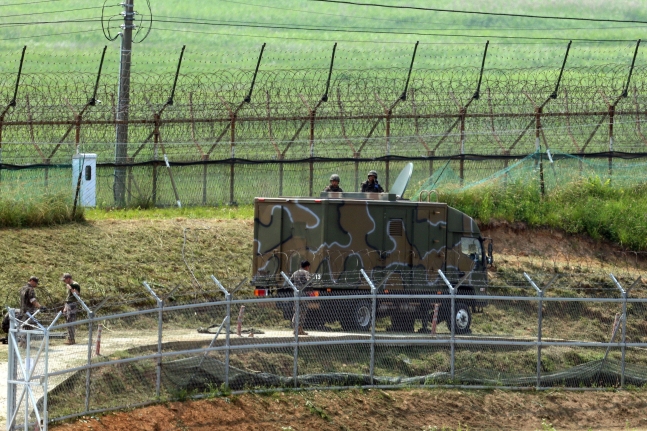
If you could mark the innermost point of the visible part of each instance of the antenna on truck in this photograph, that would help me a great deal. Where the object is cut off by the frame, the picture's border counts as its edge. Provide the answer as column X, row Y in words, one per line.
column 401, row 183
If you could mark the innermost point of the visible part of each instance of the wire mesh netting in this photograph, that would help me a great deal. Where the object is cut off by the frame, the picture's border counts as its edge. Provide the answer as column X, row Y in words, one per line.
column 286, row 138
column 182, row 341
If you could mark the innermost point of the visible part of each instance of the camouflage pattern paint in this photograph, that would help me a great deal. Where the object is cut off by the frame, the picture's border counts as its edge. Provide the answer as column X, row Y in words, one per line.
column 342, row 233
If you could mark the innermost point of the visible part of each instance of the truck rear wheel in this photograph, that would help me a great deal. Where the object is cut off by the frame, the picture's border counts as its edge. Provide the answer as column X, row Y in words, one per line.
column 357, row 316
column 403, row 322
column 462, row 318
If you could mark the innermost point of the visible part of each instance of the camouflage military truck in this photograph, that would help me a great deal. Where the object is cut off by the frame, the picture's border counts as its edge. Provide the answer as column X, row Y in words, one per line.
column 401, row 242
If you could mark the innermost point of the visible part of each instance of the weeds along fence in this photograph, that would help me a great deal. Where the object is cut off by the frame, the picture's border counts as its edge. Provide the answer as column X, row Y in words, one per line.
column 175, row 343
column 228, row 136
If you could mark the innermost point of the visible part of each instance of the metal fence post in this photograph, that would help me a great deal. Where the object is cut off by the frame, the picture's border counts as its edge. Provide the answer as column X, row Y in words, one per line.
column 624, row 329
column 228, row 333
column 297, row 297
column 12, row 371
column 90, row 325
column 625, row 295
column 160, row 306
column 87, row 374
column 373, row 315
column 452, row 292
column 540, row 294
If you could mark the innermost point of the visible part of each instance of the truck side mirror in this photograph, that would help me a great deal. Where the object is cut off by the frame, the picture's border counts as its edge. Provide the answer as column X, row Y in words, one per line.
column 490, row 259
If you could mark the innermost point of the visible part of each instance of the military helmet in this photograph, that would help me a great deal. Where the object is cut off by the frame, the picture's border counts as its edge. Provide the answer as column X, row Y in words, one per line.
column 334, row 177
column 374, row 173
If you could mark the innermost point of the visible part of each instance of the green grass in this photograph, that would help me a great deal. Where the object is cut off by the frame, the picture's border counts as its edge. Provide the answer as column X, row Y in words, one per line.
column 46, row 210
column 225, row 47
column 590, row 206
column 224, row 212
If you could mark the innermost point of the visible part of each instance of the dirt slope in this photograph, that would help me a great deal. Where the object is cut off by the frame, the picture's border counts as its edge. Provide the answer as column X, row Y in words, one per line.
column 516, row 248
column 386, row 410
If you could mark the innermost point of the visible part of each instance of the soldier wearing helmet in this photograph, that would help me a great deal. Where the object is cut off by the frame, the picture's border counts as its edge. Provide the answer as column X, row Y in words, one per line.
column 334, row 184
column 371, row 185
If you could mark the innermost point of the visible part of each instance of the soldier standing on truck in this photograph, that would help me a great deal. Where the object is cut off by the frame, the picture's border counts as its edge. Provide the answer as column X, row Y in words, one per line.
column 300, row 279
column 334, row 184
column 371, row 185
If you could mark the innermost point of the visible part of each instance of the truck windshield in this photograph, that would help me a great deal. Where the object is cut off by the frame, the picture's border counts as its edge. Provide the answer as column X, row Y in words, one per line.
column 472, row 248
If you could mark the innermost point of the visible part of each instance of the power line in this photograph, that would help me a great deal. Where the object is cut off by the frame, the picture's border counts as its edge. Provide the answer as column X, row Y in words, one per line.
column 301, row 38
column 513, row 15
column 54, row 11
column 379, row 42
column 33, row 2
column 67, row 21
column 328, row 29
column 403, row 28
column 51, row 34
column 421, row 22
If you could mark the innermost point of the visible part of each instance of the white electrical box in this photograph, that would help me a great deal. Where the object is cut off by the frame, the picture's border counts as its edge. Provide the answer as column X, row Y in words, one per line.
column 84, row 177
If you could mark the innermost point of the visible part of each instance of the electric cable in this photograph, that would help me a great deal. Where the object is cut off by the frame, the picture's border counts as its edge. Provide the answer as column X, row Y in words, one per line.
column 50, row 34
column 200, row 20
column 33, row 2
column 67, row 21
column 512, row 15
column 420, row 22
column 282, row 27
column 53, row 11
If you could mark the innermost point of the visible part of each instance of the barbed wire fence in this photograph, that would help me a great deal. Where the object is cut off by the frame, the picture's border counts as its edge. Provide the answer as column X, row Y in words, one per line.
column 548, row 334
column 224, row 136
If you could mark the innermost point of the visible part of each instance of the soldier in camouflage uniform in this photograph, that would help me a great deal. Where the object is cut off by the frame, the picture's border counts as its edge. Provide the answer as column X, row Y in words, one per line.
column 28, row 301
column 70, row 308
column 334, row 184
column 28, row 304
column 300, row 279
column 371, row 185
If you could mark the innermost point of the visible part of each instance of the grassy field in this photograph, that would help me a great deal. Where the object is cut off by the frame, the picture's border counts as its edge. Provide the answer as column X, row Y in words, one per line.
column 365, row 39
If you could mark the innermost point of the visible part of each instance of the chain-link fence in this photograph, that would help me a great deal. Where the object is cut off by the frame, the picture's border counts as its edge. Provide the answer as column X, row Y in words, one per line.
column 174, row 343
column 210, row 138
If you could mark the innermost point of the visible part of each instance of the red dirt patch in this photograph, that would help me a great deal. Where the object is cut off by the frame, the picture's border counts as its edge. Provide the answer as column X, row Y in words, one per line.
column 515, row 245
column 385, row 410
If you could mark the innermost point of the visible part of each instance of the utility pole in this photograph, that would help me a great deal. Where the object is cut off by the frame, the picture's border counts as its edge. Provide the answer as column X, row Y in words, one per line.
column 123, row 104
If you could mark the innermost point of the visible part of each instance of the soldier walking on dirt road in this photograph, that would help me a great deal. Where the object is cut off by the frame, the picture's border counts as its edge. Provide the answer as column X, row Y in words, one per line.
column 300, row 279
column 70, row 305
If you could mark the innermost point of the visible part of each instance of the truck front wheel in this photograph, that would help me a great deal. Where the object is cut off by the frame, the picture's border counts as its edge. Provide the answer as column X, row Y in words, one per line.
column 462, row 319
column 357, row 316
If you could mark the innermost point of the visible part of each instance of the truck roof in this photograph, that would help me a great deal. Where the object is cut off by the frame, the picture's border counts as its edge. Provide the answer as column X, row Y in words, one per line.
column 373, row 198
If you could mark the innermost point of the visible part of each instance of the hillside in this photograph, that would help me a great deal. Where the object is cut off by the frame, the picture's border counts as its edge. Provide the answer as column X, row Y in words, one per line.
column 113, row 257
column 301, row 34
column 432, row 410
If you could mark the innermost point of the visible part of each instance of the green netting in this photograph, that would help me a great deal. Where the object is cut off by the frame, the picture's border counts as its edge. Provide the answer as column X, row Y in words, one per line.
column 553, row 170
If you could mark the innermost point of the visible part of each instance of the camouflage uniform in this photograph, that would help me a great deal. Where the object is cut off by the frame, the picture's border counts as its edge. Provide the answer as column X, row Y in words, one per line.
column 331, row 188
column 367, row 187
column 70, row 309
column 300, row 278
column 27, row 299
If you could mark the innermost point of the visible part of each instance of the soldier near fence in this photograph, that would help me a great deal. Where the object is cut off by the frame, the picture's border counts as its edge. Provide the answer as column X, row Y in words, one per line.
column 334, row 184
column 371, row 185
column 300, row 279
column 70, row 308
column 28, row 301
column 28, row 304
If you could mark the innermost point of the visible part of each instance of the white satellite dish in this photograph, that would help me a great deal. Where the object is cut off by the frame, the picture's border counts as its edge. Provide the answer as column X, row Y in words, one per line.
column 401, row 183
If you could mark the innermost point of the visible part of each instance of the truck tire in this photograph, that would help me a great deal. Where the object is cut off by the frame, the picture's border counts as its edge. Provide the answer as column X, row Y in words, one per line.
column 462, row 318
column 357, row 316
column 403, row 322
